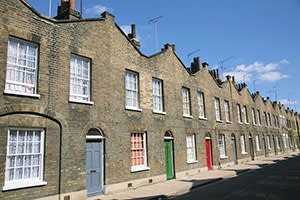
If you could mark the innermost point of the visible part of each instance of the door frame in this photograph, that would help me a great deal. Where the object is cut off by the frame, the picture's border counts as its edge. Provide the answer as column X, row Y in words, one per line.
column 233, row 146
column 96, row 135
column 169, row 137
column 251, row 147
column 208, row 154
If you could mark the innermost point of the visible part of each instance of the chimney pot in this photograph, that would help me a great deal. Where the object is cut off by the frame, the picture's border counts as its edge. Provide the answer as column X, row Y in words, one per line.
column 133, row 30
column 228, row 77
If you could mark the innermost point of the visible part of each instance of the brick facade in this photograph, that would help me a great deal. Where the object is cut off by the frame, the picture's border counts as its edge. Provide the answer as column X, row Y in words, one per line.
column 111, row 53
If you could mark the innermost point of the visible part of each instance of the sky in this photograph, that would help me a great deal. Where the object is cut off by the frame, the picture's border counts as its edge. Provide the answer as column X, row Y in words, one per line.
column 257, row 41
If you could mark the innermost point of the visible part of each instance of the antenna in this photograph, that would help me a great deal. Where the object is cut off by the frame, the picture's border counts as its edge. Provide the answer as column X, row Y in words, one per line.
column 225, row 60
column 191, row 53
column 154, row 21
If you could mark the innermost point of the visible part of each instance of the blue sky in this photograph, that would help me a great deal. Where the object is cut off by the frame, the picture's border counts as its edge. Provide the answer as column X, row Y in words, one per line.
column 258, row 40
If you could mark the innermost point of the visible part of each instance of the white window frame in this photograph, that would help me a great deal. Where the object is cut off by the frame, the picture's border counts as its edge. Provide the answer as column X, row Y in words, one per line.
column 222, row 146
column 157, row 94
column 257, row 143
column 243, row 144
column 24, row 147
column 80, row 79
column 245, row 114
column 268, row 141
column 239, row 116
column 269, row 120
column 191, row 149
column 217, row 109
column 227, row 111
column 258, row 117
column 186, row 104
column 277, row 142
column 132, row 90
column 22, row 69
column 144, row 166
column 266, row 119
column 201, row 104
column 253, row 116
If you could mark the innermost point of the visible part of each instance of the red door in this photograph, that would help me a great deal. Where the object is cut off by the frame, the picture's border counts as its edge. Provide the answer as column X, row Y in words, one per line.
column 208, row 154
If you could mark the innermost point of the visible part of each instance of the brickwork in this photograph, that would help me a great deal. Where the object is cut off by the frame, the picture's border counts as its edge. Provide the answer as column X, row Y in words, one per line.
column 111, row 53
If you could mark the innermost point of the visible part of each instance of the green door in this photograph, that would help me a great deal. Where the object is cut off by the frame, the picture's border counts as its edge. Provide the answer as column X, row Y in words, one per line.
column 169, row 159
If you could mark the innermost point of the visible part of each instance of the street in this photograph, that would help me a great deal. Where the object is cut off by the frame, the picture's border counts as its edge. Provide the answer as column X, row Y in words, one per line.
column 273, row 182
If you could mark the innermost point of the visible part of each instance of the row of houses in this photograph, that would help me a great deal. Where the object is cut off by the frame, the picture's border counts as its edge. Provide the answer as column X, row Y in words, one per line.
column 83, row 112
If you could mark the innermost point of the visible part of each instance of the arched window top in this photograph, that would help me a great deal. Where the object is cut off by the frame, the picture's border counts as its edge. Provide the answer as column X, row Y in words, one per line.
column 95, row 133
column 168, row 135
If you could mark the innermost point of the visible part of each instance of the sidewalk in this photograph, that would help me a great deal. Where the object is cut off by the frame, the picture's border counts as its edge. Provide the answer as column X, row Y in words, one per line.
column 181, row 186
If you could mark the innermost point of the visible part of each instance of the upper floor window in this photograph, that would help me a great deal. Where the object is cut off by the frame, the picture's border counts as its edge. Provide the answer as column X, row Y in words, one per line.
column 217, row 109
column 269, row 141
column 227, row 111
column 132, row 90
column 138, row 152
column 201, row 104
column 222, row 146
column 157, row 93
column 269, row 119
column 258, row 118
column 22, row 67
column 24, row 159
column 239, row 116
column 253, row 116
column 275, row 122
column 186, row 104
column 266, row 119
column 80, row 79
column 245, row 114
column 191, row 148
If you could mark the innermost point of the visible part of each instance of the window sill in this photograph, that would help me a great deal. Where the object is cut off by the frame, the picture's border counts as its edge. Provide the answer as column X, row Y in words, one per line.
column 16, row 185
column 219, row 121
column 203, row 118
column 8, row 92
column 159, row 112
column 139, row 169
column 247, row 123
column 258, row 149
column 244, row 153
column 240, row 123
column 223, row 157
column 81, row 102
column 228, row 122
column 133, row 109
column 188, row 116
column 192, row 161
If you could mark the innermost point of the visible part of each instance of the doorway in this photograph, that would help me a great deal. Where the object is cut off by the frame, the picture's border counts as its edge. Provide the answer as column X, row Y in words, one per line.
column 169, row 155
column 208, row 152
column 233, row 146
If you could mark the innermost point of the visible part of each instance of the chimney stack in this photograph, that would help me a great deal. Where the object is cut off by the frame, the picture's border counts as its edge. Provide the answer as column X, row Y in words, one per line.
column 67, row 10
column 195, row 66
column 132, row 37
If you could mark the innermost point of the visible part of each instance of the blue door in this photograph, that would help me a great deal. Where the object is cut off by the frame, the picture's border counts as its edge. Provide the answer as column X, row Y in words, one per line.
column 94, row 167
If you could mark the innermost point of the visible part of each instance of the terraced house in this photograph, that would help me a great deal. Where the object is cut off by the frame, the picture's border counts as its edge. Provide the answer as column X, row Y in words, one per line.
column 83, row 112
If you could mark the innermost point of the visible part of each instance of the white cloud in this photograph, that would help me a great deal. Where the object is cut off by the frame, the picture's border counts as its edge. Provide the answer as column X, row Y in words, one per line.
column 272, row 76
column 97, row 10
column 288, row 102
column 284, row 62
column 263, row 72
column 258, row 67
column 239, row 76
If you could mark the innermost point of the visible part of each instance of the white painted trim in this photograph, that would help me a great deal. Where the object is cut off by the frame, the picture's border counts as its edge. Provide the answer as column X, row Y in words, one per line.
column 80, row 101
column 187, row 116
column 168, row 138
column 95, row 137
column 21, row 93
column 133, row 108
column 159, row 112
column 16, row 185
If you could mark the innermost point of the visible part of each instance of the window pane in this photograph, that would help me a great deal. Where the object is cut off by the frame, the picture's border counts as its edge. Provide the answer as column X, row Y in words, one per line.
column 21, row 67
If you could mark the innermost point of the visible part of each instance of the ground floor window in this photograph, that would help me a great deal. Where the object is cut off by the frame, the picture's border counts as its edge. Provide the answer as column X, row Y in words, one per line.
column 243, row 144
column 138, row 151
column 257, row 143
column 222, row 147
column 191, row 148
column 277, row 142
column 24, row 159
column 268, row 142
